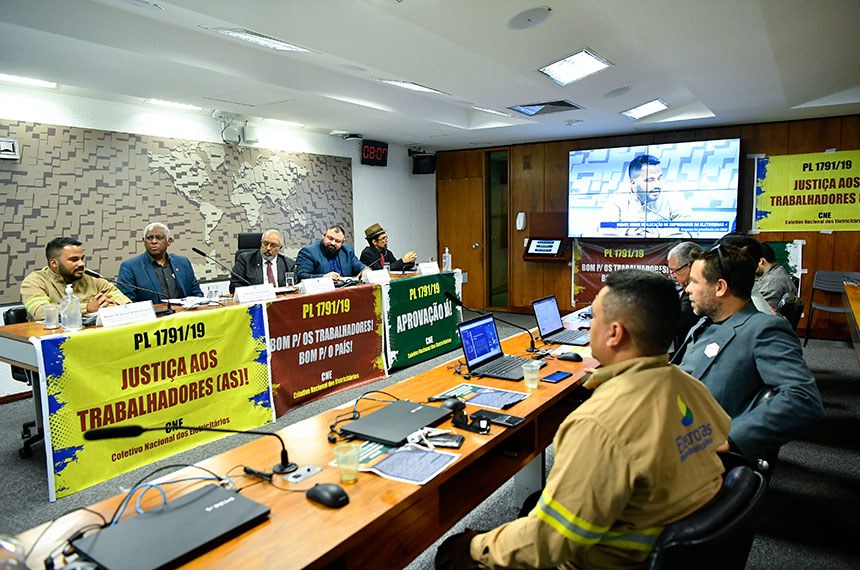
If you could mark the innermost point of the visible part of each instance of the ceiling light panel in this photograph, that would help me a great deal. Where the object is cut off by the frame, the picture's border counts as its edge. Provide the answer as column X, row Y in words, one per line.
column 575, row 67
column 410, row 85
column 257, row 39
column 29, row 81
column 173, row 105
column 645, row 109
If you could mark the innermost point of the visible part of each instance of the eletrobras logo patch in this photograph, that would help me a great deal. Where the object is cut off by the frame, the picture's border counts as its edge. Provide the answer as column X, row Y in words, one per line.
column 695, row 439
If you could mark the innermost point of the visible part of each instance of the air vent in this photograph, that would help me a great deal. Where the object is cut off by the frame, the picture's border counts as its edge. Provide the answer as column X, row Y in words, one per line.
column 546, row 108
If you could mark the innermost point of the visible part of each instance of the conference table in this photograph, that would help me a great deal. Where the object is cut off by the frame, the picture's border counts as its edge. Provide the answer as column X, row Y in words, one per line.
column 386, row 523
column 851, row 298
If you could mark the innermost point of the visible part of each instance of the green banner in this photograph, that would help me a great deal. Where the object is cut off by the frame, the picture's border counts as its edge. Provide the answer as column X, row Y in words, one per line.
column 422, row 322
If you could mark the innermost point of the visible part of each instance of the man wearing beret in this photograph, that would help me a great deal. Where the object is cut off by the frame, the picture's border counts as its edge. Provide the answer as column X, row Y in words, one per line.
column 377, row 254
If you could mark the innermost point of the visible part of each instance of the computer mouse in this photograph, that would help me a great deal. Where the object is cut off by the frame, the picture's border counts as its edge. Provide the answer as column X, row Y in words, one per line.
column 454, row 404
column 328, row 494
column 570, row 356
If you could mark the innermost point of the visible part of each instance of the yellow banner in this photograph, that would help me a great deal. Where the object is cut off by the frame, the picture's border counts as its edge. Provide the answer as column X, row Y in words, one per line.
column 808, row 192
column 204, row 369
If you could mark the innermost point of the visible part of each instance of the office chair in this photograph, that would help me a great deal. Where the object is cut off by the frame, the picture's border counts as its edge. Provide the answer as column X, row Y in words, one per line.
column 831, row 282
column 718, row 535
column 790, row 306
column 31, row 432
column 248, row 241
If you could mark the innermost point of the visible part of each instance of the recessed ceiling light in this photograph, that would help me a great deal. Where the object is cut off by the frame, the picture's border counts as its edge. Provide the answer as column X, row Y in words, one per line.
column 292, row 124
column 27, row 81
column 173, row 105
column 645, row 109
column 575, row 67
column 410, row 85
column 338, row 132
column 492, row 111
column 257, row 39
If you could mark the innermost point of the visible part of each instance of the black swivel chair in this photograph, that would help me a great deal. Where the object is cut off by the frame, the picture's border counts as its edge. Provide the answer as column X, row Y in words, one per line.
column 248, row 241
column 831, row 282
column 31, row 432
column 718, row 535
column 790, row 306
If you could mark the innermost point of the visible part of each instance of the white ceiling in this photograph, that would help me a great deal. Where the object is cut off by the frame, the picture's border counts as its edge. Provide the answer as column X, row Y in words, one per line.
column 738, row 60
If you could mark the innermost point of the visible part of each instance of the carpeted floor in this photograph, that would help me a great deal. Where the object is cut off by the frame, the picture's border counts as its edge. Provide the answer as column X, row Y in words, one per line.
column 812, row 517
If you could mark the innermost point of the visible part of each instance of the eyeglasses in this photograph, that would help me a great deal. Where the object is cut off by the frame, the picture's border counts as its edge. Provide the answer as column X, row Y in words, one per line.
column 677, row 269
column 724, row 269
column 271, row 245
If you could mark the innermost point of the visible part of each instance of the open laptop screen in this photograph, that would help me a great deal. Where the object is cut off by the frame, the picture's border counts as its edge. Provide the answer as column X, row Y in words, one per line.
column 480, row 340
column 547, row 315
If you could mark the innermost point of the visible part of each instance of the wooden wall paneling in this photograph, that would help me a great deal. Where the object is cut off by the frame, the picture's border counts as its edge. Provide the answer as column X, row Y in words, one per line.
column 527, row 195
column 460, row 164
column 850, row 138
column 556, row 175
column 814, row 135
column 460, row 223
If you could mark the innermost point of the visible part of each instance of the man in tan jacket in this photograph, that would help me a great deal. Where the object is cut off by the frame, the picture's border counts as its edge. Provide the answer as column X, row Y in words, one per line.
column 636, row 456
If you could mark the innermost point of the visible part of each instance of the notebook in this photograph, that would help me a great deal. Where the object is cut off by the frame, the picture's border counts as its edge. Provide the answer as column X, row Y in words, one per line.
column 395, row 422
column 483, row 351
column 167, row 536
column 550, row 326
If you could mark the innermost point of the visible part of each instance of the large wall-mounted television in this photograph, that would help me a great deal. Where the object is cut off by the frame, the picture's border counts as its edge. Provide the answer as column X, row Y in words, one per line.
column 680, row 190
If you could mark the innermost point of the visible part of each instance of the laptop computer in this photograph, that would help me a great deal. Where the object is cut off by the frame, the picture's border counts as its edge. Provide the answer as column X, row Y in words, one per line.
column 392, row 424
column 483, row 351
column 169, row 535
column 550, row 326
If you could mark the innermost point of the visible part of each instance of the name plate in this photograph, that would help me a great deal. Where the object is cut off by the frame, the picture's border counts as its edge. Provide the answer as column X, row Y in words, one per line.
column 379, row 276
column 254, row 293
column 119, row 315
column 428, row 268
column 316, row 285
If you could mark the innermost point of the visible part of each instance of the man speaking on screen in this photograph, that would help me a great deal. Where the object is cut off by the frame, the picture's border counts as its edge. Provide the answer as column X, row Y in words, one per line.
column 640, row 208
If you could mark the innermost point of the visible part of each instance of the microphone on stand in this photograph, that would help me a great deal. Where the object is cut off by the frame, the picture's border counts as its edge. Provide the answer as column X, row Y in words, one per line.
column 453, row 298
column 233, row 273
column 161, row 296
column 285, row 466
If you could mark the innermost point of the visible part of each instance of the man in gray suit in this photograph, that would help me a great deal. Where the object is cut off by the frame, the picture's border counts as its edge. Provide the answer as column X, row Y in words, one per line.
column 264, row 265
column 738, row 351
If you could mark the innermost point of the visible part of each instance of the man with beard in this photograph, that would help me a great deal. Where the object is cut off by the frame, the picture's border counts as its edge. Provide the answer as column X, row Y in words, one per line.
column 738, row 352
column 329, row 257
column 641, row 202
column 264, row 265
column 377, row 254
column 171, row 275
column 66, row 264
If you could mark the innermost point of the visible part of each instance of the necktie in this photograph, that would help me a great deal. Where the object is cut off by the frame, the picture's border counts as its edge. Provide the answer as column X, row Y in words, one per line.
column 270, row 274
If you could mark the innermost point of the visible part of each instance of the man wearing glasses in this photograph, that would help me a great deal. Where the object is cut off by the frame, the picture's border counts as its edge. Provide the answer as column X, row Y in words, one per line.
column 738, row 352
column 329, row 257
column 679, row 260
column 154, row 274
column 265, row 265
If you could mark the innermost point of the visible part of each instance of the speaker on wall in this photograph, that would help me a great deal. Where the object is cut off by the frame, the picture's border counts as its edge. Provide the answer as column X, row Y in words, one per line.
column 423, row 163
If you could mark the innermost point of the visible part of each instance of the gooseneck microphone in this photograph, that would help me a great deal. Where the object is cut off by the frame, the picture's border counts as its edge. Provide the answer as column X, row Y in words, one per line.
column 453, row 298
column 233, row 273
column 161, row 296
column 285, row 466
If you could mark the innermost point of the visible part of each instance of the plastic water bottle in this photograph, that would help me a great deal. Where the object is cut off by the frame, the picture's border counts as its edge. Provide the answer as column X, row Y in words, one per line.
column 446, row 260
column 70, row 311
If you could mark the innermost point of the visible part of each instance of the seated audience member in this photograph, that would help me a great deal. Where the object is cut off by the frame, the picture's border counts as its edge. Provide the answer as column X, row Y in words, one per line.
column 66, row 264
column 166, row 276
column 264, row 265
column 737, row 352
column 328, row 257
column 773, row 280
column 636, row 456
column 753, row 248
column 377, row 254
column 679, row 261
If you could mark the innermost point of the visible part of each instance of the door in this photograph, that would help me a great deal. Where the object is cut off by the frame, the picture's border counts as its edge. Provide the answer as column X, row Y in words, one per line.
column 460, row 222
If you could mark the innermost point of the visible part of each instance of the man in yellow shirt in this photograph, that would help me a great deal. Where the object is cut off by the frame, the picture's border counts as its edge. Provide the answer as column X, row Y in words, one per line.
column 66, row 265
column 636, row 456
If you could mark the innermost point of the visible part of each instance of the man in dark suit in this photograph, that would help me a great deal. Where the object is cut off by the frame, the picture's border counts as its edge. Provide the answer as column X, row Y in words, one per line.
column 165, row 276
column 679, row 261
column 737, row 352
column 329, row 257
column 265, row 265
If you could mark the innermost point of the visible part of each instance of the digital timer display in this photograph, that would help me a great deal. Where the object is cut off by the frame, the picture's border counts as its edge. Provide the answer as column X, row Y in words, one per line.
column 374, row 153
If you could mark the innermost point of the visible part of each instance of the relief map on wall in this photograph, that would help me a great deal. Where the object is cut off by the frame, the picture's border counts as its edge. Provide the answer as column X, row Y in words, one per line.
column 104, row 187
